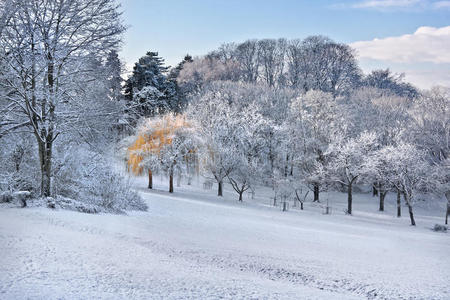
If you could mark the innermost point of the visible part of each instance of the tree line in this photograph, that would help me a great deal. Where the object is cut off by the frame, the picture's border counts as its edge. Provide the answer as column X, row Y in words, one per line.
column 290, row 114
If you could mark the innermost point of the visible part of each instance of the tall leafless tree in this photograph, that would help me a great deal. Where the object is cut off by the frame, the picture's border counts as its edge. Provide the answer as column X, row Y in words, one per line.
column 49, row 48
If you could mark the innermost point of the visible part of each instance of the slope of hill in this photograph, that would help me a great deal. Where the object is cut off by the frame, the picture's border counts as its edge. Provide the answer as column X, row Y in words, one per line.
column 194, row 245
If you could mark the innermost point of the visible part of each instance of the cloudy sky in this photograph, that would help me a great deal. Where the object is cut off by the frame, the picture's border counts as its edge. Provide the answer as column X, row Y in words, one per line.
column 408, row 36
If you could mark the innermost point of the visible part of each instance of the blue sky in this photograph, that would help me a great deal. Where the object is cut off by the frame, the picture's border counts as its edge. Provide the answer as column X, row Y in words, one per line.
column 174, row 28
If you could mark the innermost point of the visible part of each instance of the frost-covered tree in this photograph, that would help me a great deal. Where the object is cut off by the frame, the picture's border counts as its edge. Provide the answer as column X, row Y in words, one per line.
column 181, row 92
column 431, row 128
column 347, row 161
column 314, row 121
column 378, row 169
column 184, row 141
column 148, row 89
column 49, row 47
column 431, row 133
column 213, row 112
column 271, row 58
column 247, row 58
column 371, row 109
column 114, row 75
column 409, row 172
column 203, row 71
column 247, row 143
column 318, row 63
column 441, row 176
column 385, row 80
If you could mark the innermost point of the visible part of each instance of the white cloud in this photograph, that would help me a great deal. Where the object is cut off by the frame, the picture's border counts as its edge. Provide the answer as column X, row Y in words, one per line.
column 441, row 4
column 427, row 44
column 427, row 78
column 389, row 5
column 385, row 3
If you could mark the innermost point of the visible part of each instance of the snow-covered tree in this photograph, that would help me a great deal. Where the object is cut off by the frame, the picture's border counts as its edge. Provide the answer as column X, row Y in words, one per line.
column 393, row 83
column 409, row 172
column 441, row 176
column 371, row 109
column 378, row 171
column 184, row 141
column 166, row 144
column 314, row 119
column 113, row 68
column 318, row 63
column 431, row 133
column 271, row 58
column 148, row 89
column 347, row 158
column 49, row 46
column 247, row 142
column 212, row 112
column 246, row 55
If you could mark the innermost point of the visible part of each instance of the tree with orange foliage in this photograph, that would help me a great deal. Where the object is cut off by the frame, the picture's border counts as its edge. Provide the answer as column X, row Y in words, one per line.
column 163, row 144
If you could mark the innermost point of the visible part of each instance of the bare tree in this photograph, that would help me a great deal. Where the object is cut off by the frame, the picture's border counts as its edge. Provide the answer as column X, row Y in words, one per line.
column 271, row 58
column 49, row 47
column 319, row 63
column 247, row 58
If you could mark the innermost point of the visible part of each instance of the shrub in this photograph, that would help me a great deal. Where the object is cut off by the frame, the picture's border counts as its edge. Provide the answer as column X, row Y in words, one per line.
column 440, row 228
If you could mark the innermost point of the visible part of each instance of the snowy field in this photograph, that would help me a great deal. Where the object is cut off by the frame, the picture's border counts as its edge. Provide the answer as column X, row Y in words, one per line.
column 194, row 245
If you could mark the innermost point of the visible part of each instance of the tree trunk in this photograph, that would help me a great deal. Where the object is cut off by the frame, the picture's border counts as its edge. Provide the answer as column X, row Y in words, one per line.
column 45, row 134
column 240, row 196
column 382, row 195
column 45, row 157
column 410, row 209
column 374, row 190
column 286, row 167
column 447, row 195
column 150, row 179
column 411, row 215
column 301, row 205
column 447, row 214
column 220, row 189
column 399, row 205
column 171, row 182
column 349, row 199
column 316, row 192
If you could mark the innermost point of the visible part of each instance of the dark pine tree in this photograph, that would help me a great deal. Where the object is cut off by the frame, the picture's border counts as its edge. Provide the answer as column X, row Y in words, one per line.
column 148, row 89
column 114, row 69
column 180, row 100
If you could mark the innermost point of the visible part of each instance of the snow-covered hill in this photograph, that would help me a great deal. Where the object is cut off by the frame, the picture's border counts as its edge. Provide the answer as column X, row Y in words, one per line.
column 194, row 245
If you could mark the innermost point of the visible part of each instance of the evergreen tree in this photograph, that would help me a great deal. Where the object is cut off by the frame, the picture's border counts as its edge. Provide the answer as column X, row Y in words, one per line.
column 148, row 89
column 114, row 69
column 180, row 100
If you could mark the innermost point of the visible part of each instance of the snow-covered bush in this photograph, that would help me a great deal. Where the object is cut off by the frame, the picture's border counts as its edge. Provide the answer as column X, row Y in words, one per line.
column 440, row 228
column 18, row 167
column 86, row 176
column 6, row 197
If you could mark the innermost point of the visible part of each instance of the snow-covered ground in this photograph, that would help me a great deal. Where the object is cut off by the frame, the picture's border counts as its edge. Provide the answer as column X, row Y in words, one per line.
column 194, row 245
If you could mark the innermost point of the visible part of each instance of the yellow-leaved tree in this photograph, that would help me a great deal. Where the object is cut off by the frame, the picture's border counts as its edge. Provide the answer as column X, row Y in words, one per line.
column 163, row 143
